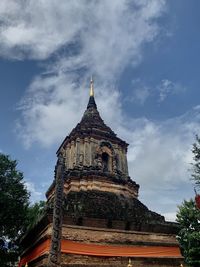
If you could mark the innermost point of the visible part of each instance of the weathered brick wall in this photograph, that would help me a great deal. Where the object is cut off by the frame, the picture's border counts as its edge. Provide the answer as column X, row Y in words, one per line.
column 108, row 236
column 70, row 260
column 91, row 261
column 102, row 236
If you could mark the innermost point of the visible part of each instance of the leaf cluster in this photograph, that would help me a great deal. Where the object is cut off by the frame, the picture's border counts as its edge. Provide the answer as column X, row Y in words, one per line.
column 14, row 201
column 196, row 164
column 188, row 218
column 35, row 212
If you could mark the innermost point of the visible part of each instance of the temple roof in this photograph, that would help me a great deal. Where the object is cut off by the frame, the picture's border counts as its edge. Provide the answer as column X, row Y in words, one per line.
column 92, row 125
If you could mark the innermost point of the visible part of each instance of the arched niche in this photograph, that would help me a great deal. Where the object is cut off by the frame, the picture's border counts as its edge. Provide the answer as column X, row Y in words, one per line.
column 106, row 156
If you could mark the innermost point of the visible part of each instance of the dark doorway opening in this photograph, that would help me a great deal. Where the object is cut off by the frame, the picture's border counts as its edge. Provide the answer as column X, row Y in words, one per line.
column 105, row 161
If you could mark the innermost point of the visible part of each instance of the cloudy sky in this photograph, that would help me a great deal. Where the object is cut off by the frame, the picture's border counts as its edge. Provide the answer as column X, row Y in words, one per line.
column 144, row 56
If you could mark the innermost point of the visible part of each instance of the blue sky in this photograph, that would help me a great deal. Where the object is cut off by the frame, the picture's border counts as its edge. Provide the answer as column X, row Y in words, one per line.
column 144, row 56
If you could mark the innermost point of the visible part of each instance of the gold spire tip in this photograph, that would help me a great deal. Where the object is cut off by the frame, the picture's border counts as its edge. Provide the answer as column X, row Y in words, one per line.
column 91, row 87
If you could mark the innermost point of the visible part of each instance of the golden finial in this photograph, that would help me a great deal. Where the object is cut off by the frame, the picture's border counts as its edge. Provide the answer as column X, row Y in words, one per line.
column 129, row 263
column 91, row 87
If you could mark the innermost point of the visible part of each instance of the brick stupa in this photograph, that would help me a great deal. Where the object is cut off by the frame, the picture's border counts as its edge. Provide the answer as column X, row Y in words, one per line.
column 93, row 215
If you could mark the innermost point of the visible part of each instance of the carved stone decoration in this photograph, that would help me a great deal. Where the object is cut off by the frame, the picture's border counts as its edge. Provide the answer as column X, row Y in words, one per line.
column 115, row 164
column 92, row 152
column 126, row 165
column 105, row 155
column 55, row 249
column 106, row 144
column 77, row 151
column 81, row 159
column 87, row 152
column 67, row 160
column 73, row 154
column 121, row 160
column 99, row 161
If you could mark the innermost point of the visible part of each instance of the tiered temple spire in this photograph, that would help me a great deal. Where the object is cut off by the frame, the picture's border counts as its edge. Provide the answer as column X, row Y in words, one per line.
column 91, row 87
column 91, row 103
column 91, row 193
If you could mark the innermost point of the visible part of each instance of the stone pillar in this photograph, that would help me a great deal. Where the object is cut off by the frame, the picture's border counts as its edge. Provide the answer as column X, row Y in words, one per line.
column 69, row 155
column 126, row 163
column 92, row 152
column 81, row 156
column 117, row 157
column 73, row 156
column 67, row 160
column 77, row 151
column 86, row 152
column 121, row 160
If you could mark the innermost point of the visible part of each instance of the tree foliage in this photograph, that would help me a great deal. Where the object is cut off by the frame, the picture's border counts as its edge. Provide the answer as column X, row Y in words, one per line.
column 196, row 164
column 14, row 200
column 35, row 212
column 188, row 218
column 16, row 215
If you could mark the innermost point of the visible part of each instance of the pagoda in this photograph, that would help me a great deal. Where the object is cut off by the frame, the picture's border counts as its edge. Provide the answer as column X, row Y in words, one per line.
column 93, row 215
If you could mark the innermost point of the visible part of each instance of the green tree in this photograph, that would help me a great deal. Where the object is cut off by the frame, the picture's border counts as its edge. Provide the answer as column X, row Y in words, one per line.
column 35, row 212
column 188, row 217
column 14, row 201
column 196, row 164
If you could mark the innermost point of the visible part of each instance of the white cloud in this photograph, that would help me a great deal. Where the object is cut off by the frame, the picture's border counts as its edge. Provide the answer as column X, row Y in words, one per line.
column 167, row 87
column 170, row 216
column 35, row 194
column 51, row 108
column 100, row 44
column 36, row 29
column 140, row 92
column 54, row 105
column 159, row 146
column 159, row 159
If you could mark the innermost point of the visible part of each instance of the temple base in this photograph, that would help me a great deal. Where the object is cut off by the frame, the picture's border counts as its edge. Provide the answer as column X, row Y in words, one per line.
column 90, row 246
